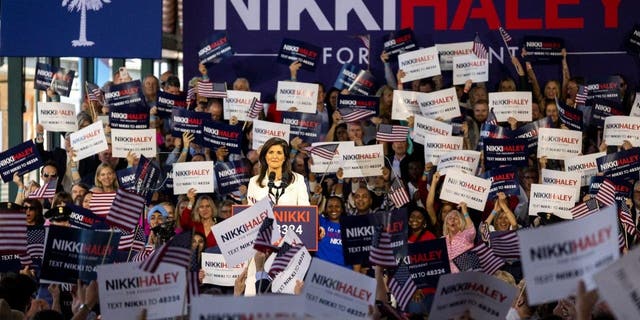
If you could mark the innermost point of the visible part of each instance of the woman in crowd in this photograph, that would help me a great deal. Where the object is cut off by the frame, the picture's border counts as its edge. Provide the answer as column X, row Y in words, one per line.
column 33, row 209
column 105, row 180
column 200, row 216
column 330, row 243
column 460, row 233
column 420, row 227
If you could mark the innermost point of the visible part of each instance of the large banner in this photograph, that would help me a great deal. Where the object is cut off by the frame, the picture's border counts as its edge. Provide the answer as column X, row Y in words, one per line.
column 459, row 187
column 552, row 199
column 57, row 116
column 556, row 257
column 19, row 159
column 363, row 161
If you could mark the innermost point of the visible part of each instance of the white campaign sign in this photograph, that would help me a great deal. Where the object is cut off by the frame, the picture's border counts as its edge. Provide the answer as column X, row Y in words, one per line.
column 419, row 64
column 321, row 165
column 619, row 286
column 299, row 95
column 125, row 290
column 635, row 109
column 88, row 141
column 198, row 175
column 442, row 104
column 405, row 104
column 363, row 161
column 480, row 295
column 465, row 161
column 447, row 51
column 552, row 199
column 218, row 272
column 138, row 141
column 423, row 126
column 586, row 165
column 57, row 116
column 285, row 281
column 334, row 292
column 460, row 187
column 617, row 129
column 265, row 130
column 556, row 257
column 469, row 67
column 237, row 103
column 281, row 306
column 436, row 146
column 562, row 178
column 559, row 143
column 511, row 104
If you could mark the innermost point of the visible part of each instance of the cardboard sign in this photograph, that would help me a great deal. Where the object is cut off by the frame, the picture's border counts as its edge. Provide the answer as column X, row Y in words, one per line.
column 465, row 161
column 419, row 64
column 543, row 49
column 167, row 101
column 231, row 175
column 215, row 48
column 129, row 117
column 571, row 117
column 125, row 290
column 237, row 104
column 405, row 104
column 459, row 187
column 19, row 159
column 354, row 79
column 356, row 234
column 184, row 120
column 88, row 141
column 334, row 292
column 617, row 129
column 602, row 109
column 552, row 199
column 307, row 126
column 299, row 95
column 148, row 178
column 556, row 257
column 618, row 285
column 198, row 175
column 503, row 179
column 447, row 51
column 137, row 141
column 363, row 161
column 623, row 164
column 285, row 281
column 216, row 134
column 605, row 88
column 562, row 178
column 635, row 108
column 125, row 94
column 294, row 50
column 558, row 143
column 472, row 294
column 57, row 116
column 428, row 260
column 265, row 130
column 469, row 67
column 126, row 178
column 442, row 104
column 218, row 272
column 511, row 104
column 281, row 306
column 402, row 41
column 586, row 165
column 436, row 146
column 423, row 126
column 499, row 152
column 56, row 78
column 321, row 165
column 359, row 102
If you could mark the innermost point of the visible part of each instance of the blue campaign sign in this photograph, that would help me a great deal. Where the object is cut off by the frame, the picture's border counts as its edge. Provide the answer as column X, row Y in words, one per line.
column 126, row 178
column 129, row 117
column 125, row 94
column 503, row 179
column 215, row 48
column 543, row 49
column 217, row 134
column 428, row 260
column 294, row 50
column 620, row 165
column 166, row 102
column 188, row 121
column 307, row 126
column 499, row 152
column 19, row 159
column 359, row 101
column 231, row 175
column 58, row 79
column 82, row 28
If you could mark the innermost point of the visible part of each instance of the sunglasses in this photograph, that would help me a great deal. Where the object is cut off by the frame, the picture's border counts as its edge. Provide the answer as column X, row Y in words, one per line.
column 47, row 175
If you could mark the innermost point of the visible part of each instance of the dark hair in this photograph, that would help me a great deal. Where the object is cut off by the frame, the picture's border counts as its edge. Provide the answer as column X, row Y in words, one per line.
column 427, row 220
column 172, row 81
column 37, row 206
column 344, row 209
column 17, row 289
column 335, row 132
column 48, row 315
column 327, row 98
column 286, row 166
column 49, row 163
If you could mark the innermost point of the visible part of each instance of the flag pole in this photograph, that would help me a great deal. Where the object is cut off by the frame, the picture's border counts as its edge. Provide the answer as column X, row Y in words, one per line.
column 104, row 255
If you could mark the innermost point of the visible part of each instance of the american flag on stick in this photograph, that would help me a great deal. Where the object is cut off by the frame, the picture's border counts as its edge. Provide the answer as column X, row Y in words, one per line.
column 100, row 203
column 325, row 151
column 125, row 210
column 479, row 49
column 606, row 195
column 381, row 253
column 581, row 95
column 94, row 93
column 263, row 241
column 402, row 286
column 624, row 214
column 505, row 244
column 176, row 251
column 285, row 253
column 398, row 193
column 134, row 240
column 255, row 108
column 585, row 208
column 355, row 114
column 488, row 260
column 392, row 133
column 505, row 36
column 45, row 192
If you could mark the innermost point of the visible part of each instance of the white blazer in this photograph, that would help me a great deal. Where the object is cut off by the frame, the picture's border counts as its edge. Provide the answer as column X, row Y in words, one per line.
column 295, row 194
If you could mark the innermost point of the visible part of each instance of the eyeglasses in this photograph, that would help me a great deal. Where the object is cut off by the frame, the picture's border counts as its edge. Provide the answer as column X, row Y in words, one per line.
column 47, row 175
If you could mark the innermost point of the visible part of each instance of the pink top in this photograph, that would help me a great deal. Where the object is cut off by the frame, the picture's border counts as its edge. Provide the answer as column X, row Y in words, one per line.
column 459, row 243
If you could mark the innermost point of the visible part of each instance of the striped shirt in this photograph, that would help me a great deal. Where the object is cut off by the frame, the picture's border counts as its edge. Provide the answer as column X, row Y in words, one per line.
column 459, row 243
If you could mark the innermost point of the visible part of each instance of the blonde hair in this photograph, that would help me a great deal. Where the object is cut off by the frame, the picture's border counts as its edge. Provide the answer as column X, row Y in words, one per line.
column 463, row 222
column 195, row 216
column 505, row 276
column 101, row 167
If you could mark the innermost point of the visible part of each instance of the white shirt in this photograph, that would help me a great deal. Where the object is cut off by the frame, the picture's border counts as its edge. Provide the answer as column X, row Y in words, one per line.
column 295, row 194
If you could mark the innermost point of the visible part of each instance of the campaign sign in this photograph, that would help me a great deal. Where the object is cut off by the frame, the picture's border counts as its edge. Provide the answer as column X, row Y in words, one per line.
column 334, row 292
column 198, row 175
column 299, row 95
column 419, row 64
column 188, row 121
column 280, row 306
column 602, row 109
column 562, row 178
column 84, row 218
column 294, row 50
column 570, row 117
column 442, row 105
column 58, row 79
column 265, row 130
column 321, row 165
column 237, row 104
column 88, row 141
column 558, row 143
column 19, row 159
column 423, row 126
column 543, row 49
column 500, row 152
column 217, row 271
column 71, row 254
column 503, row 179
column 619, row 285
column 633, row 41
column 396, row 223
column 428, row 260
column 285, row 281
column 307, row 126
column 166, row 101
column 231, row 175
column 356, row 233
column 617, row 129
column 447, row 51
column 511, row 104
column 356, row 80
column 216, row 134
column 529, row 131
column 125, row 94
column 622, row 187
column 129, row 117
column 556, row 257
column 235, row 235
column 465, row 161
column 215, row 48
column 126, row 178
column 552, row 199
column 10, row 263
column 470, row 67
column 400, row 42
column 405, row 104
column 635, row 108
column 472, row 295
column 359, row 102
column 460, row 187
column 125, row 289
column 148, row 178
column 57, row 116
column 606, row 88
column 586, row 165
column 435, row 146
column 139, row 142
column 363, row 161
column 620, row 165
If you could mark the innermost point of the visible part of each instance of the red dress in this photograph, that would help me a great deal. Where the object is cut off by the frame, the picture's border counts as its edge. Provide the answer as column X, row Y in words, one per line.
column 187, row 224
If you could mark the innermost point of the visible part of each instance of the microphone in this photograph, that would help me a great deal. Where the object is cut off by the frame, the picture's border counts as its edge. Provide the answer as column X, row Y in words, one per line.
column 272, row 177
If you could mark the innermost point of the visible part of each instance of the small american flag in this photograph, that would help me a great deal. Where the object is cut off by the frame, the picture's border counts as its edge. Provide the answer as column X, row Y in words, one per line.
column 263, row 241
column 193, row 285
column 392, row 133
column 35, row 246
column 100, row 203
column 13, row 231
column 325, row 151
column 622, row 241
column 402, row 286
column 585, row 208
column 176, row 251
column 468, row 261
column 94, row 93
column 381, row 253
column 505, row 36
column 581, row 95
column 255, row 109
column 624, row 214
column 607, row 193
column 212, row 90
column 478, row 48
column 191, row 95
column 219, row 90
column 143, row 254
column 285, row 253
column 134, row 240
column 355, row 114
column 366, row 40
column 491, row 118
column 398, row 193
column 505, row 244
column 488, row 260
column 484, row 231
column 125, row 210
column 45, row 192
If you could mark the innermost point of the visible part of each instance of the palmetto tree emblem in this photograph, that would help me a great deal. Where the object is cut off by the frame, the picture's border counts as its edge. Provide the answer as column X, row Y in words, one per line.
column 83, row 6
